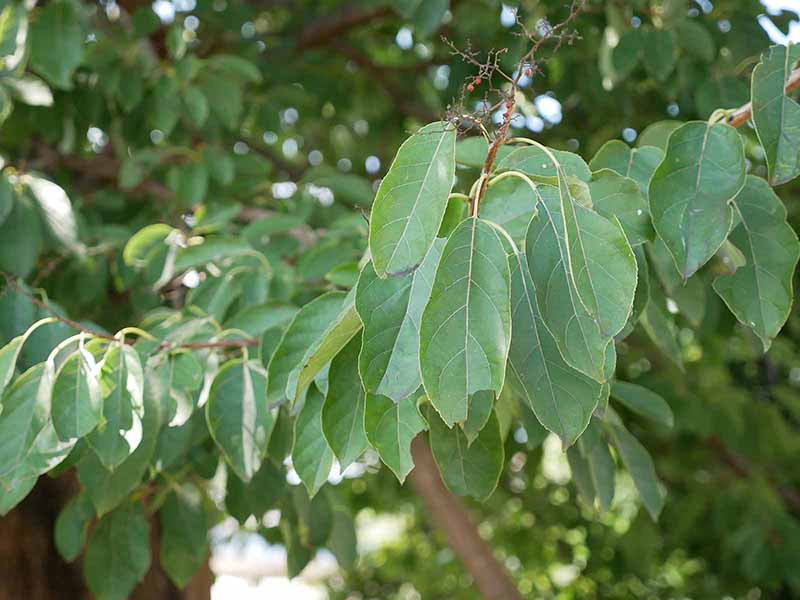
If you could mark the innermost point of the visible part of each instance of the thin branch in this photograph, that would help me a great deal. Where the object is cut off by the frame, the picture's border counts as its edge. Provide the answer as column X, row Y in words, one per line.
column 743, row 114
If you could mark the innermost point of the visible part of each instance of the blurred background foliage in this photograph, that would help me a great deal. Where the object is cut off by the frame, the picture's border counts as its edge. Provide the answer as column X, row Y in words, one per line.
column 205, row 114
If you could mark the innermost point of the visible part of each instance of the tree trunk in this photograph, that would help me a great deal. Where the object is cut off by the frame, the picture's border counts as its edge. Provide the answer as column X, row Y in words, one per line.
column 448, row 513
column 32, row 569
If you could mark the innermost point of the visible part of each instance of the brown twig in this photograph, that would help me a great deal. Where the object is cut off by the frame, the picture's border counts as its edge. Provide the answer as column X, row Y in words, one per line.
column 743, row 114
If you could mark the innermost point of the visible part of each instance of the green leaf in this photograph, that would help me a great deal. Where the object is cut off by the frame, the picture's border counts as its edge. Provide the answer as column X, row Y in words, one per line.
column 643, row 402
column 657, row 134
column 576, row 333
column 76, row 402
column 9, row 354
column 561, row 397
column 315, row 516
column 472, row 151
column 184, row 534
column 262, row 493
column 145, row 244
column 6, row 197
column 534, row 161
column 121, row 385
column 306, row 329
column 696, row 39
column 312, row 458
column 659, row 53
column 196, row 105
column 238, row 417
column 391, row 310
column 343, row 412
column 594, row 448
column 428, row 17
column 342, row 539
column 481, row 405
column 255, row 320
column 56, row 209
column 467, row 469
column 660, row 327
column 466, row 326
column 510, row 203
column 760, row 292
column 637, row 163
column 602, row 265
column 411, row 200
column 390, row 428
column 21, row 238
column 57, row 42
column 72, row 526
column 640, row 466
column 690, row 295
column 235, row 66
column 107, row 489
column 642, row 296
column 323, row 349
column 118, row 555
column 776, row 116
column 28, row 443
column 614, row 195
column 628, row 52
column 691, row 191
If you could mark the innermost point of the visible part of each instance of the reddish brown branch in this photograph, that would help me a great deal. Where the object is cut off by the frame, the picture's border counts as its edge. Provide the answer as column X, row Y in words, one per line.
column 448, row 513
column 743, row 114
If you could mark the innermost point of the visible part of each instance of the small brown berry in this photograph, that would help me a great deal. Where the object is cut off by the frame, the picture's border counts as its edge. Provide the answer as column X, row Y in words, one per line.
column 477, row 81
column 470, row 88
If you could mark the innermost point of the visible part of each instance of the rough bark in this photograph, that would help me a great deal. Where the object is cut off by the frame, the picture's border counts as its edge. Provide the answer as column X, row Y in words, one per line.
column 448, row 513
column 32, row 569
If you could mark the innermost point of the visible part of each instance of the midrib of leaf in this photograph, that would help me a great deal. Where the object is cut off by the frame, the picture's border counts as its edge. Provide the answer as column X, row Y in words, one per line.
column 413, row 211
column 539, row 345
column 77, row 392
column 248, row 416
column 466, row 306
column 686, row 235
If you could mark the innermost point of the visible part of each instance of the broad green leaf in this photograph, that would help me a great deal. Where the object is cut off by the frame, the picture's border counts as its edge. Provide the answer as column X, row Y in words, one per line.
column 211, row 250
column 602, row 265
column 238, row 417
column 637, row 163
column 642, row 296
column 118, row 554
column 628, row 52
column 724, row 92
column 312, row 458
column 305, row 330
column 255, row 498
column 660, row 326
column 391, row 310
column 659, row 53
column 56, row 209
column 657, row 134
column 428, row 17
column 342, row 540
column 235, row 66
column 696, row 39
column 315, row 516
column 145, row 244
column 9, row 354
column 776, row 116
column 581, row 475
column 184, row 376
column 411, row 200
column 345, row 325
column 184, row 534
column 343, row 411
column 640, row 466
column 689, row 295
column 594, row 449
column 107, row 489
column 21, row 238
column 6, row 195
column 576, row 333
column 643, row 402
column 13, row 36
column 472, row 151
column 28, row 443
column 467, row 469
column 390, row 428
column 466, row 326
column 760, row 292
column 510, row 203
column 121, row 386
column 535, row 162
column 72, row 526
column 691, row 191
column 76, row 402
column 57, row 40
column 561, row 397
column 481, row 405
column 255, row 320
column 614, row 195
